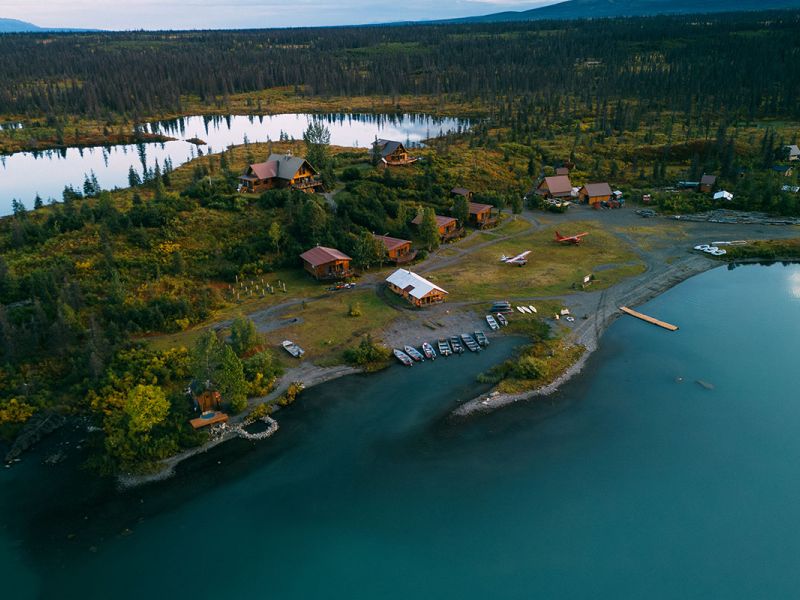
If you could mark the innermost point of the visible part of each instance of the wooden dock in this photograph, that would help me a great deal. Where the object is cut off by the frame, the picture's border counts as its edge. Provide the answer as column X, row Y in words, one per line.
column 644, row 317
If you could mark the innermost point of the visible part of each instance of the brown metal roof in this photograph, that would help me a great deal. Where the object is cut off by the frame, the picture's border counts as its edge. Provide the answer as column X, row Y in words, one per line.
column 283, row 166
column 265, row 170
column 708, row 180
column 390, row 242
column 597, row 189
column 461, row 191
column 440, row 220
column 476, row 208
column 560, row 184
column 322, row 255
column 562, row 171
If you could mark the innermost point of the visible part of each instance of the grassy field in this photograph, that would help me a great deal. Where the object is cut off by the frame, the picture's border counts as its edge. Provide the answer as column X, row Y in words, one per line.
column 325, row 327
column 552, row 268
column 511, row 225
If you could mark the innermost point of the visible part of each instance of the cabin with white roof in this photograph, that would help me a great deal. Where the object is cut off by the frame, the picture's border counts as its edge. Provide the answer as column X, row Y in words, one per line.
column 417, row 290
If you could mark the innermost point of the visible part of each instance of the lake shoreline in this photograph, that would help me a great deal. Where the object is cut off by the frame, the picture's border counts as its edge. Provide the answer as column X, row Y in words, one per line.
column 308, row 375
column 88, row 142
column 631, row 292
column 591, row 329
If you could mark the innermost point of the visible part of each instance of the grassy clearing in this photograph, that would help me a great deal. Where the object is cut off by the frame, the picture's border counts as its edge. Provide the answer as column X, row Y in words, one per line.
column 298, row 285
column 510, row 226
column 325, row 327
column 552, row 269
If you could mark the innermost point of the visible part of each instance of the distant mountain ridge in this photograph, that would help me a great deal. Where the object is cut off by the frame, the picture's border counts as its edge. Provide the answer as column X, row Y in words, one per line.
column 594, row 9
column 17, row 26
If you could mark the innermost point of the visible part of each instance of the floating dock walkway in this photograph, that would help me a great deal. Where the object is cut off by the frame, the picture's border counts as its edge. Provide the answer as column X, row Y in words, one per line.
column 644, row 317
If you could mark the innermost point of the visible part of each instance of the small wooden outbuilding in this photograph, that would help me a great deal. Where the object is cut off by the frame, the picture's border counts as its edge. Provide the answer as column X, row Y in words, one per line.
column 707, row 183
column 448, row 226
column 555, row 187
column 326, row 263
column 480, row 215
column 208, row 400
column 595, row 193
column 397, row 251
column 460, row 191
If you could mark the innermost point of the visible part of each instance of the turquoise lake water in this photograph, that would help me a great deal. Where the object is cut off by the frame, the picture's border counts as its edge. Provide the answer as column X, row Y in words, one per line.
column 633, row 481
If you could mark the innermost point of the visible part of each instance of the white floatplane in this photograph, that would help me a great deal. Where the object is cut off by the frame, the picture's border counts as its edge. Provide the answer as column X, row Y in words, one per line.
column 519, row 260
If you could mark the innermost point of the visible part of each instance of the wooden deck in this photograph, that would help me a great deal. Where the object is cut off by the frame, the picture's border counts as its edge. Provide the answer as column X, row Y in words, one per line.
column 218, row 417
column 406, row 258
column 644, row 317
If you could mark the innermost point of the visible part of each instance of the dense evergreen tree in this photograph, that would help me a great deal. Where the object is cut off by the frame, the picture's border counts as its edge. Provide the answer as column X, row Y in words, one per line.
column 722, row 64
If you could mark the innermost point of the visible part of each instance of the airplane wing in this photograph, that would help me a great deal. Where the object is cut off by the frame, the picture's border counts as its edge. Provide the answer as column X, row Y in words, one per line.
column 573, row 239
column 520, row 257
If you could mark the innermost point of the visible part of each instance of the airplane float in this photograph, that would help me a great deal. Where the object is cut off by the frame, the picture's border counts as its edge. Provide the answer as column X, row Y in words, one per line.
column 570, row 239
column 519, row 260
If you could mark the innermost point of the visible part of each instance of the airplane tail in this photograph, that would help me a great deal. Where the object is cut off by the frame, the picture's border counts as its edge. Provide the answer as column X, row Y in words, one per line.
column 559, row 236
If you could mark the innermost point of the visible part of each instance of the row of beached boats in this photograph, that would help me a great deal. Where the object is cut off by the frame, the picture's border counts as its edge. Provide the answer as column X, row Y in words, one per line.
column 446, row 346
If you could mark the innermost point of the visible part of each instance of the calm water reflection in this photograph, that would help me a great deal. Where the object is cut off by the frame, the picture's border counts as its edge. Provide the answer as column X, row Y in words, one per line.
column 25, row 174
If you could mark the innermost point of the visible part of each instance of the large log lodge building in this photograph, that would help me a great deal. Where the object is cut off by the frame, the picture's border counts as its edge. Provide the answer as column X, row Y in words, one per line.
column 280, row 171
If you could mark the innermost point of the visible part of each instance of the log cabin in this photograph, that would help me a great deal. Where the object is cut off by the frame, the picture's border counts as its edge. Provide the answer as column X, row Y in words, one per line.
column 397, row 251
column 393, row 154
column 459, row 191
column 326, row 263
column 415, row 289
column 555, row 187
column 480, row 215
column 208, row 400
column 448, row 226
column 707, row 183
column 595, row 193
column 280, row 171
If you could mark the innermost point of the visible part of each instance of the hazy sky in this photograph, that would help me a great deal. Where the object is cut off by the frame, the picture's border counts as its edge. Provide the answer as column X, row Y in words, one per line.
column 213, row 14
